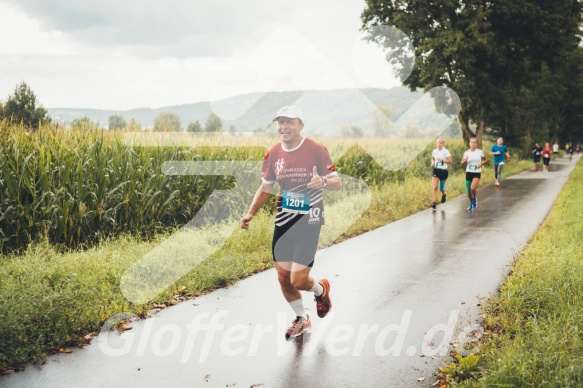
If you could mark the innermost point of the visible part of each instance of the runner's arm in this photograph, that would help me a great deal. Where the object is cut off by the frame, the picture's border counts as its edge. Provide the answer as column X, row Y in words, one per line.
column 261, row 197
column 334, row 183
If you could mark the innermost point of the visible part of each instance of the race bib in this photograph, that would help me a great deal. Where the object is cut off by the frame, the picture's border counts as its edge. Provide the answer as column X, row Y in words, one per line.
column 473, row 167
column 439, row 164
column 545, row 155
column 537, row 153
column 298, row 203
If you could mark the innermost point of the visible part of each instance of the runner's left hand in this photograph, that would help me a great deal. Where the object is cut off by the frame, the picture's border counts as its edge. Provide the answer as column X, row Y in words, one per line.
column 317, row 182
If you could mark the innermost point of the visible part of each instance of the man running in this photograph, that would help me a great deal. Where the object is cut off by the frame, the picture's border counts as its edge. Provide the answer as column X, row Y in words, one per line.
column 475, row 158
column 440, row 158
column 501, row 155
column 302, row 168
column 536, row 152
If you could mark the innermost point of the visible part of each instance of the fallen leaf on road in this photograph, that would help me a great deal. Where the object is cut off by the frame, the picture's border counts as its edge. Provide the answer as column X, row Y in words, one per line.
column 257, row 385
column 421, row 379
column 123, row 328
column 207, row 378
column 7, row 372
column 65, row 350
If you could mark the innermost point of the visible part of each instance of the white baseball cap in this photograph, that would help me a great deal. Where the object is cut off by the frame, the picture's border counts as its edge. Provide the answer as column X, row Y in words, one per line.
column 292, row 111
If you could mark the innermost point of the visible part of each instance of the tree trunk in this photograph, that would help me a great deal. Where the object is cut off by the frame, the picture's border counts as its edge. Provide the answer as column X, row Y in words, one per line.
column 480, row 129
column 465, row 124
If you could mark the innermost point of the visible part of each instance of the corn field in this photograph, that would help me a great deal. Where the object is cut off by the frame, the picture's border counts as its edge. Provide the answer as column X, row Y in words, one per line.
column 73, row 188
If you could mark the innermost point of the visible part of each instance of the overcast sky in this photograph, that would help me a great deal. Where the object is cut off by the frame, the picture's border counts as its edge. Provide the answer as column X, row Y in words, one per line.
column 128, row 54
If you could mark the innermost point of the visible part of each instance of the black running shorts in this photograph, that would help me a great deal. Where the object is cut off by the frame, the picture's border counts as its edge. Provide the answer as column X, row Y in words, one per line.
column 471, row 175
column 440, row 173
column 298, row 244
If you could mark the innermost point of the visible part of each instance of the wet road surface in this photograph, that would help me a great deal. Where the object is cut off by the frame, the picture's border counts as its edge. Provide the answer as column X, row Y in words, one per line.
column 401, row 294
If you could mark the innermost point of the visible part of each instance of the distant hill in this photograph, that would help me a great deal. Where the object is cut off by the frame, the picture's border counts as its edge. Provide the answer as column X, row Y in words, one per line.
column 324, row 111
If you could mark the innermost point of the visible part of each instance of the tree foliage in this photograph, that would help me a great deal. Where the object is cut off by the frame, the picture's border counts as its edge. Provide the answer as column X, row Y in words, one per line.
column 167, row 122
column 194, row 127
column 22, row 107
column 213, row 123
column 492, row 54
column 116, row 121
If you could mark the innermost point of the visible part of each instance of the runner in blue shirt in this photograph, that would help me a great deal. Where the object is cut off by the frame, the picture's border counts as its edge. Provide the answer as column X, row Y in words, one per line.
column 501, row 155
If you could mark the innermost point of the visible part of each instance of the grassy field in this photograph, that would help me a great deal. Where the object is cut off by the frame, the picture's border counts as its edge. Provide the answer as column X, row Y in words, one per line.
column 534, row 327
column 52, row 297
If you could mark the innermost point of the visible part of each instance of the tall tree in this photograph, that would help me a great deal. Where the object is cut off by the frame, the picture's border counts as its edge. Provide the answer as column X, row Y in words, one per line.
column 475, row 47
column 213, row 123
column 194, row 127
column 167, row 122
column 116, row 121
column 22, row 107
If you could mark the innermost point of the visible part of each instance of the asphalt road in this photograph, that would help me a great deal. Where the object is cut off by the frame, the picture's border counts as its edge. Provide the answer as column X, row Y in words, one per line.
column 402, row 293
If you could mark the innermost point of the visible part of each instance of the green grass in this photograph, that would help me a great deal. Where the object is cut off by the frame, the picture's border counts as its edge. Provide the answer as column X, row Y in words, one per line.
column 51, row 298
column 535, row 325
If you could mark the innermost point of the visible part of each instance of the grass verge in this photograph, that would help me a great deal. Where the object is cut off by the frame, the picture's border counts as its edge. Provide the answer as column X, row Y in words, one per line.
column 534, row 328
column 51, row 299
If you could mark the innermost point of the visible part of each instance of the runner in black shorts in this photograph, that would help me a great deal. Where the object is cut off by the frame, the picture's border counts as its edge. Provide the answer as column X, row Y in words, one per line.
column 536, row 152
column 547, row 151
column 440, row 158
column 298, row 246
column 474, row 159
column 302, row 168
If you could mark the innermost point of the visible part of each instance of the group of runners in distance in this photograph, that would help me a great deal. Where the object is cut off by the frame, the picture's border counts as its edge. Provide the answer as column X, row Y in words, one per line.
column 571, row 149
column 473, row 159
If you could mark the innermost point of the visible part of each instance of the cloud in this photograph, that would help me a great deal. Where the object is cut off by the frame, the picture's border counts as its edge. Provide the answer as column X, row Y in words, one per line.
column 129, row 54
column 154, row 28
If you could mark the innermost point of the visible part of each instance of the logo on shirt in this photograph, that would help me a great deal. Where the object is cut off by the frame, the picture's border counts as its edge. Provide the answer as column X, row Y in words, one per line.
column 279, row 166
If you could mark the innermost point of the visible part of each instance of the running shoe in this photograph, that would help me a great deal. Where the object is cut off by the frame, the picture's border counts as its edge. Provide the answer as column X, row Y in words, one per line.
column 323, row 302
column 434, row 205
column 471, row 207
column 443, row 199
column 298, row 327
column 475, row 203
column 497, row 184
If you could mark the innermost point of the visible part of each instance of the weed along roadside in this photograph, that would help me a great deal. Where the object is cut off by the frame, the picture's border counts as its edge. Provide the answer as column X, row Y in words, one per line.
column 54, row 296
column 532, row 328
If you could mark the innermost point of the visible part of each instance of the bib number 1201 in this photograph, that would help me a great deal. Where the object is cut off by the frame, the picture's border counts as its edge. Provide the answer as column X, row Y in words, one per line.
column 295, row 202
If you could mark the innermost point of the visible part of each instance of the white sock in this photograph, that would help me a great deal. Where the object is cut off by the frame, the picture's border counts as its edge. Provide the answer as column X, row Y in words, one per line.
column 298, row 307
column 317, row 289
